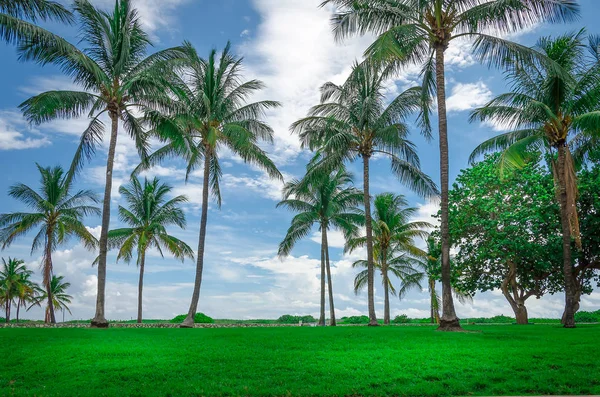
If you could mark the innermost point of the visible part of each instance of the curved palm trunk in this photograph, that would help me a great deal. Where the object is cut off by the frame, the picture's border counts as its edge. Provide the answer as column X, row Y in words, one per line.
column 329, row 283
column 570, row 288
column 189, row 320
column 323, row 240
column 48, row 276
column 369, row 227
column 99, row 320
column 449, row 321
column 141, row 285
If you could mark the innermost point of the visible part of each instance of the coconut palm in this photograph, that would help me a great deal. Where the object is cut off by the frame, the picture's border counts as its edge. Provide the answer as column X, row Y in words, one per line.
column 18, row 18
column 419, row 32
column 394, row 246
column 60, row 298
column 57, row 217
column 11, row 276
column 326, row 201
column 148, row 214
column 551, row 111
column 353, row 121
column 116, row 79
column 211, row 112
column 27, row 291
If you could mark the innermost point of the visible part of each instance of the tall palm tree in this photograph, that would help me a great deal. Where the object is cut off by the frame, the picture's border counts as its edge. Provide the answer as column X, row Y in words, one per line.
column 148, row 214
column 18, row 18
column 353, row 121
column 328, row 202
column 211, row 112
column 419, row 32
column 11, row 275
column 394, row 246
column 60, row 298
column 551, row 110
column 116, row 80
column 57, row 216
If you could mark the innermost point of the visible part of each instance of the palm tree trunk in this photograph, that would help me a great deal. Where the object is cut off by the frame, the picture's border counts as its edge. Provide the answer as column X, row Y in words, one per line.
column 7, row 310
column 48, row 275
column 18, row 308
column 329, row 283
column 141, row 285
column 99, row 320
column 449, row 321
column 435, row 315
column 322, row 315
column 569, row 314
column 370, row 263
column 189, row 320
column 386, row 292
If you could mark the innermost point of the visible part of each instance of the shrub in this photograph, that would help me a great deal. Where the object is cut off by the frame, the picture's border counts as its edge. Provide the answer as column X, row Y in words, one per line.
column 356, row 320
column 587, row 317
column 289, row 319
column 401, row 319
column 199, row 318
column 2, row 320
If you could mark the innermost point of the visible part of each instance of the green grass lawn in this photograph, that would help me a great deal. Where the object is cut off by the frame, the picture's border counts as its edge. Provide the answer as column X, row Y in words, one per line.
column 494, row 360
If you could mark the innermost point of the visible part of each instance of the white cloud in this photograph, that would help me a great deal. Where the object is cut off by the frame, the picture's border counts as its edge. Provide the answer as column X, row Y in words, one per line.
column 335, row 238
column 15, row 134
column 467, row 96
column 245, row 33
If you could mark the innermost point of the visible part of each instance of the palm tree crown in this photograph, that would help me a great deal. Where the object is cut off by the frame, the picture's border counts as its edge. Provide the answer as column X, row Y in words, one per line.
column 60, row 298
column 14, row 281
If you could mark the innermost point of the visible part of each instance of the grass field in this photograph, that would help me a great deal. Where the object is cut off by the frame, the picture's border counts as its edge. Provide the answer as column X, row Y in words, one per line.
column 492, row 360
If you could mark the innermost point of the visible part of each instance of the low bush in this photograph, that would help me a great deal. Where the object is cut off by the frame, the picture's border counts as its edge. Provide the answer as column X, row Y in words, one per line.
column 587, row 317
column 199, row 318
column 356, row 320
column 401, row 319
column 289, row 319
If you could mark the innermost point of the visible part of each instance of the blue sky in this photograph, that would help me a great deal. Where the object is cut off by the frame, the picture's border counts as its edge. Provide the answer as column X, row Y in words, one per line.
column 288, row 45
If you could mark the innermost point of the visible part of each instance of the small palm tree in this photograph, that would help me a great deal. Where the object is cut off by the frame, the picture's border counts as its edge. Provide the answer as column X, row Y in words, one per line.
column 57, row 215
column 419, row 32
column 26, row 290
column 394, row 245
column 116, row 80
column 60, row 298
column 148, row 214
column 354, row 121
column 552, row 110
column 18, row 18
column 328, row 202
column 211, row 113
column 11, row 276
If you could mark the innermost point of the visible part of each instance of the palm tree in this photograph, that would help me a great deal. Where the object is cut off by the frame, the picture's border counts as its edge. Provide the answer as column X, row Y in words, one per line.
column 26, row 290
column 11, row 275
column 57, row 215
column 117, row 80
column 551, row 111
column 419, row 32
column 394, row 247
column 148, row 215
column 328, row 202
column 18, row 18
column 210, row 113
column 60, row 298
column 353, row 121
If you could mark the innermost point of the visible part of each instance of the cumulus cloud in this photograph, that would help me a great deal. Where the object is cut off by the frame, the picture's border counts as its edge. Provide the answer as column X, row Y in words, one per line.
column 468, row 96
column 15, row 134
